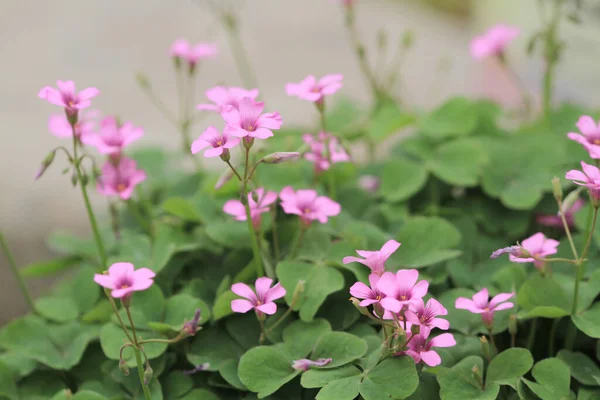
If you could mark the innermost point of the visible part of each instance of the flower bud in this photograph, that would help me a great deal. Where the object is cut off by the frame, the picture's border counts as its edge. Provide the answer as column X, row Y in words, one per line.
column 68, row 394
column 248, row 142
column 485, row 347
column 84, row 179
column 190, row 328
column 570, row 200
column 74, row 179
column 356, row 303
column 477, row 374
column 45, row 164
column 225, row 156
column 415, row 329
column 280, row 156
column 123, row 367
column 142, row 79
column 556, row 189
column 148, row 374
column 512, row 324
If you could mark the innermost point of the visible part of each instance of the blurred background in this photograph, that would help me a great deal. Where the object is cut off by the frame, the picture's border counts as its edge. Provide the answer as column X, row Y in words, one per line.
column 102, row 43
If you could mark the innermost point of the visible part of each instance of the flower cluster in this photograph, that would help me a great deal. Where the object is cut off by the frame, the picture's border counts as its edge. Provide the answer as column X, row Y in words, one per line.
column 398, row 297
column 493, row 42
column 324, row 150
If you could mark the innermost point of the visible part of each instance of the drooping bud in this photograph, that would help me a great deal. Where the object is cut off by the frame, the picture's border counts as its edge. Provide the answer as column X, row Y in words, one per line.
column 123, row 367
column 143, row 80
column 74, row 179
column 570, row 200
column 556, row 189
column 45, row 164
column 415, row 329
column 356, row 303
column 512, row 324
column 148, row 373
column 225, row 156
column 191, row 327
column 248, row 142
column 280, row 156
column 84, row 179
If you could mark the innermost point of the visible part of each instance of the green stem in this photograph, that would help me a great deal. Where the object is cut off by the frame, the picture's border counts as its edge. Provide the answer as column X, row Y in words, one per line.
column 551, row 56
column 274, row 232
column 116, row 311
column 552, row 337
column 492, row 342
column 138, row 357
column 567, row 230
column 15, row 270
column 239, row 52
column 532, row 331
column 590, row 234
column 253, row 239
column 298, row 241
column 88, row 206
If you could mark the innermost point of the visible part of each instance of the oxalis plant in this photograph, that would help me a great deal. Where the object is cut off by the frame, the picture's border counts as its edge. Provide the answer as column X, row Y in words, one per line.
column 460, row 266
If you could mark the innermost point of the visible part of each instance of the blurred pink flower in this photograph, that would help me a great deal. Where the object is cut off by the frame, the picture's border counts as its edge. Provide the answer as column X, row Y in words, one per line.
column 481, row 304
column 425, row 315
column 59, row 125
column 181, row 48
column 375, row 260
column 369, row 295
column 369, row 183
column 248, row 120
column 325, row 150
column 590, row 178
column 220, row 143
column 112, row 138
column 261, row 301
column 120, row 179
column 493, row 42
column 305, row 364
column 420, row 349
column 66, row 96
column 591, row 135
column 555, row 221
column 308, row 205
column 123, row 279
column 264, row 200
column 538, row 246
column 312, row 90
column 401, row 289
column 223, row 97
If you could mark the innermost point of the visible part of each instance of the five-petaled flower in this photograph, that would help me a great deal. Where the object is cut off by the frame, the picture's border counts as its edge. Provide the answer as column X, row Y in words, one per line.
column 59, row 125
column 590, row 178
column 325, row 150
column 224, row 97
column 257, row 207
column 493, row 42
column 120, row 179
column 315, row 90
column 305, row 364
column 481, row 304
column 112, row 137
column 589, row 137
column 425, row 315
column 420, row 348
column 182, row 49
column 261, row 301
column 249, row 121
column 123, row 279
column 66, row 96
column 369, row 295
column 308, row 205
column 533, row 249
column 401, row 289
column 220, row 143
column 375, row 260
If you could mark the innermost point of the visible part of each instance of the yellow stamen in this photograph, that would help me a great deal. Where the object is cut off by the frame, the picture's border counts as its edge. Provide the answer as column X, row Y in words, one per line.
column 121, row 187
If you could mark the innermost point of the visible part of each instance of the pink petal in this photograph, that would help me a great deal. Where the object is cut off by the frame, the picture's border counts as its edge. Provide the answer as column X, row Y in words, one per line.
column 387, row 284
column 198, row 145
column 591, row 171
column 141, row 284
column 270, row 120
column 88, row 93
column 104, row 280
column 268, row 308
column 481, row 298
column 440, row 323
column 587, row 125
column 443, row 340
column 420, row 289
column 207, row 107
column 331, row 79
column 327, row 206
column 534, row 243
column 214, row 152
column 143, row 273
column 391, row 304
column 262, row 286
column 431, row 358
column 235, row 208
column 268, row 199
column 407, row 277
column 119, row 293
column 373, row 280
column 231, row 142
column 360, row 291
column 462, row 303
column 241, row 306
column 287, row 194
column 261, row 133
column 52, row 95
column 437, row 307
column 121, row 269
column 243, row 290
column 503, row 306
column 576, row 175
column 350, row 259
column 367, row 302
column 67, row 87
column 276, row 292
column 218, row 95
column 59, row 126
column 390, row 246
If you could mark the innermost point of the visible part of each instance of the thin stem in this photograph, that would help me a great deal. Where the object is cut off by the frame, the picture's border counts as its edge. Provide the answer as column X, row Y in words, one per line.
column 138, row 357
column 552, row 337
column 15, row 270
column 590, row 234
column 518, row 82
column 567, row 230
column 492, row 342
column 551, row 56
column 168, row 341
column 239, row 52
column 88, row 206
column 532, row 331
column 116, row 311
column 274, row 232
column 253, row 239
column 251, row 174
column 513, row 340
column 263, row 335
column 298, row 242
column 234, row 171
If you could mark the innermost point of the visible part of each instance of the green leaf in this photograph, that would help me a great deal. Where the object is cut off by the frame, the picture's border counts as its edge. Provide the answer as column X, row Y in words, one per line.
column 454, row 386
column 388, row 120
column 80, row 395
column 341, row 347
column 342, row 389
column 507, row 367
column 181, row 308
column 583, row 368
column 200, row 394
column 300, row 337
column 230, row 234
column 59, row 309
column 320, row 281
column 112, row 338
column 428, row 388
column 589, row 321
column 182, row 208
column 18, row 364
column 222, row 306
column 213, row 346
column 426, row 241
column 8, row 386
column 41, row 385
column 316, row 378
column 265, row 369
column 553, row 379
column 543, row 312
column 542, row 292
column 401, row 179
column 459, row 162
column 229, row 372
column 49, row 268
column 394, row 377
column 84, row 291
column 456, row 117
column 315, row 246
column 176, row 384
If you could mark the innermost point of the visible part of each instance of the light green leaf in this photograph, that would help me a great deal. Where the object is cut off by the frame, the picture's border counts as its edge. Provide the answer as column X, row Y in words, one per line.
column 583, row 368
column 341, row 347
column 265, row 369
column 182, row 208
column 229, row 372
column 181, row 308
column 222, row 306
column 112, row 338
column 176, row 384
column 8, row 386
column 401, row 179
column 394, row 377
column 49, row 268
column 300, row 337
column 341, row 389
column 507, row 367
column 459, row 162
column 553, row 379
column 59, row 309
column 388, row 120
column 316, row 378
column 230, row 234
column 213, row 346
column 589, row 321
column 456, row 117
column 542, row 292
column 453, row 386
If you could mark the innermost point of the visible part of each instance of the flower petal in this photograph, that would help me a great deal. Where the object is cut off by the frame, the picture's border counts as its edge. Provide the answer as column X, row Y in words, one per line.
column 241, row 306
column 243, row 290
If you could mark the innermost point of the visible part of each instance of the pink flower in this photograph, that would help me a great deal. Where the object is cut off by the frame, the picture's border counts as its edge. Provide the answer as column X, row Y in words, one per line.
column 590, row 178
column 556, row 222
column 66, row 96
column 369, row 183
column 258, row 207
column 308, row 205
column 591, row 135
column 120, row 179
column 112, row 138
column 493, row 42
column 325, row 150
column 223, row 97
column 59, row 125
column 482, row 305
column 181, row 48
column 426, row 315
column 419, row 348
column 538, row 246
column 375, row 260
column 401, row 289
column 123, row 280
column 262, row 301
column 248, row 120
column 305, row 364
column 312, row 90
column 220, row 143
column 370, row 295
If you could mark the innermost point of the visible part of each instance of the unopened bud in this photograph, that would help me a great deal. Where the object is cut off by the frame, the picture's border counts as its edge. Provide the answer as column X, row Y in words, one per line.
column 45, row 164
column 190, row 328
column 84, row 179
column 415, row 329
column 123, row 367
column 74, row 179
column 248, row 142
column 298, row 290
column 570, row 200
column 512, row 324
column 556, row 189
column 225, row 156
column 148, row 374
column 142, row 80
column 280, row 156
column 485, row 347
column 356, row 303
column 477, row 373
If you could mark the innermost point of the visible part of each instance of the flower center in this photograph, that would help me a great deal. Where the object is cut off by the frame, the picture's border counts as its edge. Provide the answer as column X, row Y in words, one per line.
column 220, row 143
column 121, row 187
column 250, row 128
column 423, row 319
column 378, row 297
column 124, row 286
column 307, row 210
column 403, row 297
column 487, row 309
column 71, row 103
column 597, row 141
